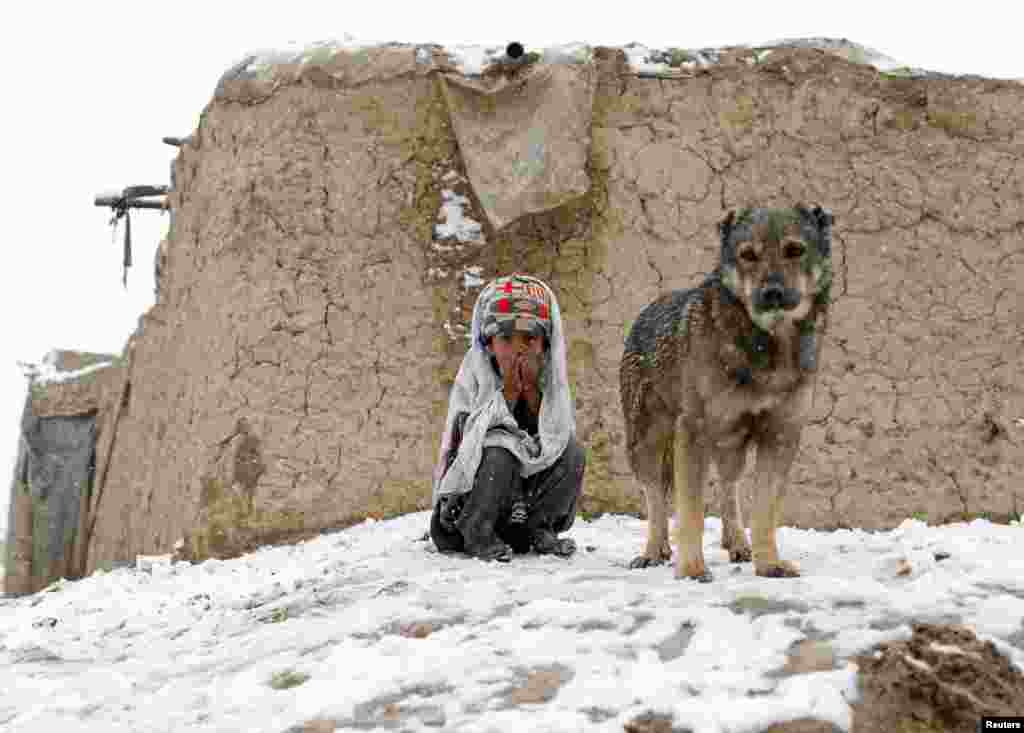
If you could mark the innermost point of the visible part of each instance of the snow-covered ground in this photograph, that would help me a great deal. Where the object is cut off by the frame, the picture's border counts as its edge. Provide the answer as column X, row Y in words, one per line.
column 370, row 626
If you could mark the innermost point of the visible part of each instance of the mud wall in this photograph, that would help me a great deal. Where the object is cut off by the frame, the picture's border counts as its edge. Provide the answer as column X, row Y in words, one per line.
column 294, row 374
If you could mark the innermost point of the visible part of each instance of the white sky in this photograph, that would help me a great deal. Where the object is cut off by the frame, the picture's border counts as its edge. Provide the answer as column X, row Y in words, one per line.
column 92, row 88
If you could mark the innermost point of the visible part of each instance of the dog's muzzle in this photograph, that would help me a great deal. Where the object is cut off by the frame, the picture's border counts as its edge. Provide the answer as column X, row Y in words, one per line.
column 775, row 296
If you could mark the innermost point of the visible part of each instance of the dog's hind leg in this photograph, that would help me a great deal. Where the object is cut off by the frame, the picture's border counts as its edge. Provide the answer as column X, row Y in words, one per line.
column 730, row 462
column 655, row 456
column 775, row 453
column 657, row 550
column 690, row 462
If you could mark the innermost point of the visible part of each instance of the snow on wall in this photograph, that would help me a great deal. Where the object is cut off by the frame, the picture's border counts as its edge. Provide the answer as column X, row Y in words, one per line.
column 473, row 59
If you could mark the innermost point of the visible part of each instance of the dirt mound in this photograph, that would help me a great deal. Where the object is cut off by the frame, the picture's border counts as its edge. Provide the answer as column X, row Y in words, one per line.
column 941, row 679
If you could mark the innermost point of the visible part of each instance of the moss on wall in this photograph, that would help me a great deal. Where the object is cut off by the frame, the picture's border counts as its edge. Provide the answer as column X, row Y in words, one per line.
column 603, row 491
column 230, row 525
column 40, row 532
column 741, row 115
column 396, row 497
column 957, row 124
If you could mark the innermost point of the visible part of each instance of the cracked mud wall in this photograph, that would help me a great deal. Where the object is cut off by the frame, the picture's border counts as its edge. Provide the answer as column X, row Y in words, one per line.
column 294, row 374
column 284, row 383
column 916, row 406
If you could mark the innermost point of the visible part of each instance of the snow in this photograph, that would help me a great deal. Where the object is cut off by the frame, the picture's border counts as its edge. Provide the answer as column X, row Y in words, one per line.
column 472, row 277
column 371, row 620
column 46, row 371
column 456, row 224
column 852, row 51
column 473, row 59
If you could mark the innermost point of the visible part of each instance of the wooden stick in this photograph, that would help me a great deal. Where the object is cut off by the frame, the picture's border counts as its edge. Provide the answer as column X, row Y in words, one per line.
column 130, row 193
column 134, row 192
column 130, row 203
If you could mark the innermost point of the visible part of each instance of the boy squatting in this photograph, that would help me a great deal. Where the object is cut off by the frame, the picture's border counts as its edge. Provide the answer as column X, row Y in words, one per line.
column 510, row 469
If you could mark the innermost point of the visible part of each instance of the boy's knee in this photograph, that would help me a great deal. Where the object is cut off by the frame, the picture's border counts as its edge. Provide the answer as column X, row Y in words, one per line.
column 498, row 459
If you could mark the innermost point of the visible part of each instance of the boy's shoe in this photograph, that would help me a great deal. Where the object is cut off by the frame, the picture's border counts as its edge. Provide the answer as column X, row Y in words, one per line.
column 451, row 507
column 518, row 515
column 498, row 551
column 546, row 543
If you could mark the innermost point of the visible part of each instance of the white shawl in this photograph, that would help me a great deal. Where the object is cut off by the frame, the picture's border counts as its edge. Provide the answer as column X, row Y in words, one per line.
column 478, row 391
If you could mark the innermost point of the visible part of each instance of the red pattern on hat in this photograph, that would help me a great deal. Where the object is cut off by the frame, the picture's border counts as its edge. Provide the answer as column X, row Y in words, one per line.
column 504, row 306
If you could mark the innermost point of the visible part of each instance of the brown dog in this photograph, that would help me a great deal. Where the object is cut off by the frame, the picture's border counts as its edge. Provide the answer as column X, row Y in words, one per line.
column 707, row 371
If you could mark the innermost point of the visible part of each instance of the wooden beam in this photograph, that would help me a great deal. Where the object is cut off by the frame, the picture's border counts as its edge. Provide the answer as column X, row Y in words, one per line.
column 130, row 203
column 131, row 197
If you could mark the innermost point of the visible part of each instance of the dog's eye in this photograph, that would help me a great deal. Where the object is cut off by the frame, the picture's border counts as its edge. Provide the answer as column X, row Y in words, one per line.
column 794, row 249
column 749, row 255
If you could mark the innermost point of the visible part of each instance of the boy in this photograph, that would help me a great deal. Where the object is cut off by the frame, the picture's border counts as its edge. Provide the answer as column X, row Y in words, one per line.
column 510, row 469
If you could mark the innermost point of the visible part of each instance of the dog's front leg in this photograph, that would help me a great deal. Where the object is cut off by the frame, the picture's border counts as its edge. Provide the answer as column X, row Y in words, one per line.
column 689, row 464
column 776, row 449
column 730, row 461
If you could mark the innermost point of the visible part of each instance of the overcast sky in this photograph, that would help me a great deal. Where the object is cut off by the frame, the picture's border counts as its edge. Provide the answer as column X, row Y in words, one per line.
column 91, row 88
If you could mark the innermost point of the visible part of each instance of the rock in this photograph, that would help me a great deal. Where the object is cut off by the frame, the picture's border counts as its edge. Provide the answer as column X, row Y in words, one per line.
column 650, row 723
column 317, row 725
column 810, row 656
column 155, row 564
column 804, row 725
column 417, row 630
column 540, row 685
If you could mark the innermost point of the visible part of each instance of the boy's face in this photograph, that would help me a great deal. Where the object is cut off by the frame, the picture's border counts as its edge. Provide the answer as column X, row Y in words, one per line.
column 507, row 348
column 520, row 352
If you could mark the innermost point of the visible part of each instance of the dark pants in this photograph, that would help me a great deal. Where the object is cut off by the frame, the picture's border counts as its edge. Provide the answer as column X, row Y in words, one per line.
column 550, row 497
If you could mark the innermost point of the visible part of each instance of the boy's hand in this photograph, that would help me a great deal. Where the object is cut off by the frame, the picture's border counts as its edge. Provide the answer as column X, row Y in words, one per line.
column 510, row 373
column 529, row 371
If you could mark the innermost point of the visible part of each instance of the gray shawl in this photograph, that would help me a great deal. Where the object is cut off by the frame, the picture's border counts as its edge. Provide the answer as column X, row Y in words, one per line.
column 478, row 391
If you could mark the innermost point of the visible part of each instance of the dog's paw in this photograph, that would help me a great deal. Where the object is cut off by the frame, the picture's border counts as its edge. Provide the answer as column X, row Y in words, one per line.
column 739, row 554
column 643, row 561
column 565, row 547
column 781, row 569
column 695, row 569
column 706, row 577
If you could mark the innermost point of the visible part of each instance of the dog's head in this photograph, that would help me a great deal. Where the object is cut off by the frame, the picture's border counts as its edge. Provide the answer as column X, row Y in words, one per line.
column 777, row 262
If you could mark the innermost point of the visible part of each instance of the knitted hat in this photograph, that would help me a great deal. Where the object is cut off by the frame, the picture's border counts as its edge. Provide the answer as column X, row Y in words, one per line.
column 516, row 303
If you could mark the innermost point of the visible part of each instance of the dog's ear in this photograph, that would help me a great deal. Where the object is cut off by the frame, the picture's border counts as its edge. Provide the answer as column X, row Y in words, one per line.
column 823, row 218
column 725, row 228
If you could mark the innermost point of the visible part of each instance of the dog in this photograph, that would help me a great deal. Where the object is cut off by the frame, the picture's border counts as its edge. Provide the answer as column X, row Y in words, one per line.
column 706, row 372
